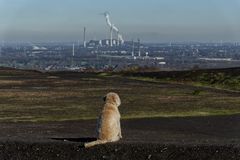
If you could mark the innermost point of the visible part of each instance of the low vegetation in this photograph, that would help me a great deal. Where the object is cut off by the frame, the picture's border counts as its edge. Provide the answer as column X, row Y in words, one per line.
column 218, row 78
column 35, row 96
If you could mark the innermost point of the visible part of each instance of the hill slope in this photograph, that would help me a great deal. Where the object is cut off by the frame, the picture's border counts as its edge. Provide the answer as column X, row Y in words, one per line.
column 223, row 78
column 60, row 96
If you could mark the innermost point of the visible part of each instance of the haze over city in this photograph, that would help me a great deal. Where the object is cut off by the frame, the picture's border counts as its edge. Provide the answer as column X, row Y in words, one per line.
column 152, row 21
column 120, row 79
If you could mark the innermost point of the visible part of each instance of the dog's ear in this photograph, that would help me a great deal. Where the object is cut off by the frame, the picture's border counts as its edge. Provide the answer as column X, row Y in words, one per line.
column 104, row 98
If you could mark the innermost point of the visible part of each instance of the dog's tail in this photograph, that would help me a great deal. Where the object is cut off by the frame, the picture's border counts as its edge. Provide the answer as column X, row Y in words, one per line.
column 93, row 143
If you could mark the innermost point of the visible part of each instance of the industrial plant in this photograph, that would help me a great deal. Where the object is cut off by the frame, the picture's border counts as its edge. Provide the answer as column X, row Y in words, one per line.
column 111, row 42
column 116, row 53
column 116, row 47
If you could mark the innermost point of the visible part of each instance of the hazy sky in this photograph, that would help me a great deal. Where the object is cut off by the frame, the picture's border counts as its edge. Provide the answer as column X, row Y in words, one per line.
column 150, row 20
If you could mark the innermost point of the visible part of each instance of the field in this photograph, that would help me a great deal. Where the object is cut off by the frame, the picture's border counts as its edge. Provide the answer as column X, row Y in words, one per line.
column 165, row 115
column 35, row 96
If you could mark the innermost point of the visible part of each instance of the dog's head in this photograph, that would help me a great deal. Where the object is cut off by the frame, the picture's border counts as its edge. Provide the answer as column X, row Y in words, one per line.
column 112, row 98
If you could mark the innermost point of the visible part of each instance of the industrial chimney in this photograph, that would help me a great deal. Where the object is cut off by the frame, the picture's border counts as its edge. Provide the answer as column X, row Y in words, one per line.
column 133, row 48
column 139, row 48
column 84, row 37
column 73, row 50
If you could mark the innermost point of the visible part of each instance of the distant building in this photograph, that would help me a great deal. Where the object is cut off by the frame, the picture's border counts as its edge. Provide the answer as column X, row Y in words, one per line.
column 93, row 43
column 101, row 43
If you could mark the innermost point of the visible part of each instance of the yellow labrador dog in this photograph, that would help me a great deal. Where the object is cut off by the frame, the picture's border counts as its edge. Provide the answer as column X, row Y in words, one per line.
column 109, row 129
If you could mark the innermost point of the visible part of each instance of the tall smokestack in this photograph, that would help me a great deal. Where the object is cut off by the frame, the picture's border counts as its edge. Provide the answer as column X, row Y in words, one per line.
column 73, row 50
column 133, row 48
column 84, row 37
column 139, row 48
column 118, row 40
column 111, row 37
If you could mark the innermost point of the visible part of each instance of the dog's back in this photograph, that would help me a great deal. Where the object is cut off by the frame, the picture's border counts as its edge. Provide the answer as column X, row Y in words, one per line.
column 109, row 129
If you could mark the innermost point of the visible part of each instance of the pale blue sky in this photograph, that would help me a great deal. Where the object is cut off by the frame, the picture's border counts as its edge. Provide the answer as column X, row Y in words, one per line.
column 150, row 20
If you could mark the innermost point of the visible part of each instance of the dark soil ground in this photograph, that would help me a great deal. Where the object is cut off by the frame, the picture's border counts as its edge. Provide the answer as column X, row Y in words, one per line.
column 214, row 138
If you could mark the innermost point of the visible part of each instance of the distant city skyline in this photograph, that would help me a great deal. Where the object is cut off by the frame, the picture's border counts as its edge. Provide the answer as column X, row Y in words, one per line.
column 151, row 21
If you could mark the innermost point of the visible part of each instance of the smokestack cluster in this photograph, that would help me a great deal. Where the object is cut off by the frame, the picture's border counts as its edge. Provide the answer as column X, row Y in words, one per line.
column 113, row 29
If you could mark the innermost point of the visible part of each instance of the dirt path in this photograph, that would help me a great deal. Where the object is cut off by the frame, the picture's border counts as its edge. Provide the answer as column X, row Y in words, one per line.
column 161, row 138
column 189, row 130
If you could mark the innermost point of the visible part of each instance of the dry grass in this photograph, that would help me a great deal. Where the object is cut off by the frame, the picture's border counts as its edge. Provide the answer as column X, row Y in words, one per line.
column 58, row 97
column 10, row 82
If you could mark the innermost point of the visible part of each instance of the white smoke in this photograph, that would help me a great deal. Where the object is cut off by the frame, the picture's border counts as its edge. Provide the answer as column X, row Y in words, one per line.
column 115, row 28
column 112, row 27
column 106, row 14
